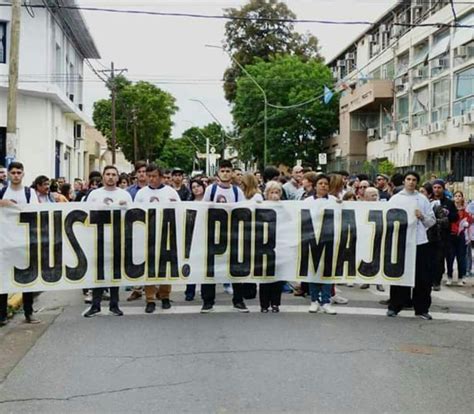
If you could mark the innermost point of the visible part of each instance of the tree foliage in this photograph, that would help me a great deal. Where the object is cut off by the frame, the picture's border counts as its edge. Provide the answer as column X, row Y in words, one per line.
column 140, row 107
column 265, row 38
column 292, row 133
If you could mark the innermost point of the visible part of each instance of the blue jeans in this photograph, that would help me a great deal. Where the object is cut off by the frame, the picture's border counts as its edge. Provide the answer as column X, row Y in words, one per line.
column 320, row 292
column 457, row 251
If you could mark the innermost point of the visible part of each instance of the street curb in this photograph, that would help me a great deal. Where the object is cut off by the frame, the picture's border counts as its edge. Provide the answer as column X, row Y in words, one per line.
column 15, row 301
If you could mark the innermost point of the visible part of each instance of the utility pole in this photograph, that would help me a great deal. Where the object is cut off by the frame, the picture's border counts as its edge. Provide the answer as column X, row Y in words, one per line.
column 13, row 82
column 135, row 137
column 113, row 89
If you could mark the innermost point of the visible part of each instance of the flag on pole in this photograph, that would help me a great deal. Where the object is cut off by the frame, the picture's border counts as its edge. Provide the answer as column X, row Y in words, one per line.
column 328, row 94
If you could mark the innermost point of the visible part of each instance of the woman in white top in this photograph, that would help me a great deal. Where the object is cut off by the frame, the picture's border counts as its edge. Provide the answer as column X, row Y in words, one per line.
column 250, row 188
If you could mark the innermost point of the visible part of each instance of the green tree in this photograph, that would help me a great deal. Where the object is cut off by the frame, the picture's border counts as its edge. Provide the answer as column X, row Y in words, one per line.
column 292, row 133
column 262, row 29
column 386, row 167
column 143, row 111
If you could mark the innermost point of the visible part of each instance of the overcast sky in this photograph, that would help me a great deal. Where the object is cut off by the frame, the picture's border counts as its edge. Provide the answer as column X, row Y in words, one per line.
column 170, row 52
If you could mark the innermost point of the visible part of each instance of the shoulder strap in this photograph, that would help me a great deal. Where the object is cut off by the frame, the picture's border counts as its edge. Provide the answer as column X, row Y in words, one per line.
column 27, row 194
column 213, row 191
column 236, row 193
column 3, row 191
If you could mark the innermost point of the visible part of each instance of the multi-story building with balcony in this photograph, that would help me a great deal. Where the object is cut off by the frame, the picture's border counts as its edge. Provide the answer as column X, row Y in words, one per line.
column 408, row 91
column 54, row 44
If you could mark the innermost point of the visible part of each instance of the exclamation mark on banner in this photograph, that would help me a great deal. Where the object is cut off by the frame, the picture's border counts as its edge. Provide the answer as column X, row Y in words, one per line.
column 188, row 239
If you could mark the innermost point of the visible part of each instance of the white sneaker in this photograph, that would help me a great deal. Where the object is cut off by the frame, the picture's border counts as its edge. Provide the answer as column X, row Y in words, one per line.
column 339, row 300
column 350, row 285
column 449, row 282
column 228, row 290
column 88, row 298
column 328, row 309
column 314, row 308
column 461, row 282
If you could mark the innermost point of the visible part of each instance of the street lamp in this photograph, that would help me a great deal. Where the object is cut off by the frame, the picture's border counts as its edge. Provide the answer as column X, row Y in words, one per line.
column 265, row 100
column 207, row 145
column 215, row 119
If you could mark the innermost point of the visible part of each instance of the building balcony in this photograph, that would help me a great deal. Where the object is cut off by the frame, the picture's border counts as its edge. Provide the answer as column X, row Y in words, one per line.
column 370, row 94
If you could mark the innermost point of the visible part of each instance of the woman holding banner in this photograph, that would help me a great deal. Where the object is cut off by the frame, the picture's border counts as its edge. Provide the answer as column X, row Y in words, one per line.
column 321, row 292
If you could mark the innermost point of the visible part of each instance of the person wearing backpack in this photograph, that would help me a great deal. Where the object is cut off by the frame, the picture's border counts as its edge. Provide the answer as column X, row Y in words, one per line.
column 223, row 192
column 12, row 195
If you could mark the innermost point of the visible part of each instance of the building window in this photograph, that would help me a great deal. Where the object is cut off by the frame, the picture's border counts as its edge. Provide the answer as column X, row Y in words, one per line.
column 3, row 42
column 420, row 108
column 420, row 54
column 463, row 35
column 388, row 70
column 440, row 100
column 464, row 92
column 402, row 64
column 402, row 113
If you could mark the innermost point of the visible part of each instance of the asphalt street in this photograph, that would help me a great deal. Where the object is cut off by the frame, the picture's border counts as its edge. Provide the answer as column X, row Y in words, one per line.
column 180, row 361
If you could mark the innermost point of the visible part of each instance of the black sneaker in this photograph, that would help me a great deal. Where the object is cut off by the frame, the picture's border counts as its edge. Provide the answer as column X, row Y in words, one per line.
column 426, row 316
column 115, row 310
column 241, row 307
column 189, row 298
column 207, row 308
column 165, row 304
column 275, row 309
column 150, row 307
column 92, row 312
column 31, row 319
column 3, row 321
column 391, row 313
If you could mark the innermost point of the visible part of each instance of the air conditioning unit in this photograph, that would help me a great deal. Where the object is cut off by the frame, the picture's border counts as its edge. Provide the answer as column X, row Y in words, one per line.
column 383, row 27
column 439, row 126
column 404, row 129
column 400, row 85
column 461, row 51
column 386, row 139
column 338, row 152
column 371, row 133
column 440, row 63
column 425, row 130
column 376, row 49
column 341, row 63
column 393, row 136
column 350, row 56
column 457, row 122
column 468, row 118
column 418, row 73
column 395, row 31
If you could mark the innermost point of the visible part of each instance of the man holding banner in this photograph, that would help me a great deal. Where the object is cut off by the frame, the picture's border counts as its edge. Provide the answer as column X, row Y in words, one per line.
column 108, row 195
column 156, row 192
column 399, row 295
column 10, row 196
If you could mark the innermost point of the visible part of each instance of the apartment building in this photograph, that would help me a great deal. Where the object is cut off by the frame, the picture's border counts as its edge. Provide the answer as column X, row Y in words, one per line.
column 54, row 45
column 408, row 91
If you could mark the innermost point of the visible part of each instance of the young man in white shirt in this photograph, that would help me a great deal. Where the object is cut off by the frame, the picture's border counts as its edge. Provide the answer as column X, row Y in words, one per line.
column 13, row 194
column 400, row 295
column 156, row 191
column 223, row 192
column 109, row 195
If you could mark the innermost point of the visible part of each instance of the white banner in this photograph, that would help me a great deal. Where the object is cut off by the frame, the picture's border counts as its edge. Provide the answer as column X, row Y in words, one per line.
column 80, row 245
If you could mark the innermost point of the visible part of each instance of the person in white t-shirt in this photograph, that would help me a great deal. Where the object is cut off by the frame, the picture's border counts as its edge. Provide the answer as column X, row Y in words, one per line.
column 321, row 292
column 223, row 192
column 249, row 185
column 16, row 193
column 156, row 191
column 109, row 195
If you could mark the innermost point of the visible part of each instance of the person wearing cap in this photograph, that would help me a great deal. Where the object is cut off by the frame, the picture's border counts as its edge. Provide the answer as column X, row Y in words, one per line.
column 381, row 182
column 177, row 178
column 440, row 196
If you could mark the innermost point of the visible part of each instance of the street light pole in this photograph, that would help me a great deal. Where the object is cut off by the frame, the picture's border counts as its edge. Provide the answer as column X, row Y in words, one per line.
column 265, row 99
column 208, row 145
column 217, row 120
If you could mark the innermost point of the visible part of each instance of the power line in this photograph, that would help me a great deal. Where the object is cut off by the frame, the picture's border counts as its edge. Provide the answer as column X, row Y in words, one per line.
column 253, row 19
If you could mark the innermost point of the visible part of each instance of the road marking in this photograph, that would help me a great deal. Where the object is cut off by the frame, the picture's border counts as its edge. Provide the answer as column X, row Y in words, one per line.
column 342, row 310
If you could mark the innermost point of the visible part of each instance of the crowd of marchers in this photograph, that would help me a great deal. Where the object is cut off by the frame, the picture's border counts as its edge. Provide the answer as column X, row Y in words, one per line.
column 444, row 234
